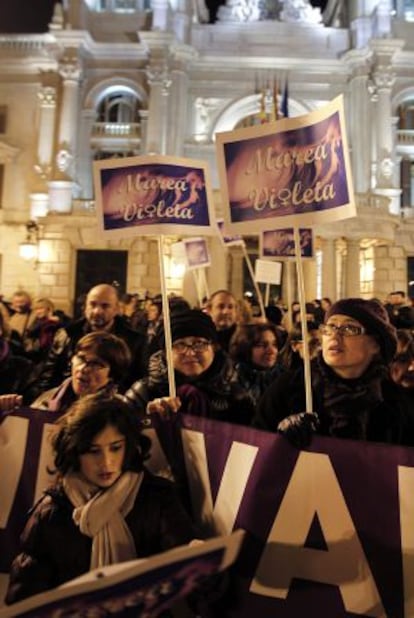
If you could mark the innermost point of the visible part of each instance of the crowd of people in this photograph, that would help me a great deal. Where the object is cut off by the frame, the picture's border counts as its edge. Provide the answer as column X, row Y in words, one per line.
column 103, row 373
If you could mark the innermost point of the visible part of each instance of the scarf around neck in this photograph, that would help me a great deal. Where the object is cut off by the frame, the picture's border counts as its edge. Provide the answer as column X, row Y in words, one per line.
column 101, row 515
column 348, row 404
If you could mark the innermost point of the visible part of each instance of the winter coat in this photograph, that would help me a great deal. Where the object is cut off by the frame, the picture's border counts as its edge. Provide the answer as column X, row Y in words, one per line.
column 357, row 410
column 57, row 365
column 216, row 393
column 254, row 380
column 53, row 550
column 60, row 398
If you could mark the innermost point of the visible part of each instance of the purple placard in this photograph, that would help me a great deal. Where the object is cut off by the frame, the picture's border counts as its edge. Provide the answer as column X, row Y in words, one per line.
column 227, row 240
column 280, row 243
column 196, row 253
column 153, row 195
column 296, row 170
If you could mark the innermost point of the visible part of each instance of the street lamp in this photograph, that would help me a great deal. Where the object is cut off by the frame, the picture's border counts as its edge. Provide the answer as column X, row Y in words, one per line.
column 29, row 247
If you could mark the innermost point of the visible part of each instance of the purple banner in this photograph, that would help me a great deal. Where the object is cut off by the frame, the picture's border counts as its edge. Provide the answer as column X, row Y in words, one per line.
column 329, row 527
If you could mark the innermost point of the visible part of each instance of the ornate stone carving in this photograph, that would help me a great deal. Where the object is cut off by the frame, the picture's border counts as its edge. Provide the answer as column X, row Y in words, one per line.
column 158, row 74
column 63, row 160
column 300, row 11
column 47, row 96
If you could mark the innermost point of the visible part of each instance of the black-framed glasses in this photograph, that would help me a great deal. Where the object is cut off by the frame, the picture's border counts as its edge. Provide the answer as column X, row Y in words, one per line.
column 93, row 364
column 182, row 347
column 344, row 330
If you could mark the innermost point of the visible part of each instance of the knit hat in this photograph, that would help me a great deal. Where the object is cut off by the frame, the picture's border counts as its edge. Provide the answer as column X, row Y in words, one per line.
column 192, row 323
column 374, row 318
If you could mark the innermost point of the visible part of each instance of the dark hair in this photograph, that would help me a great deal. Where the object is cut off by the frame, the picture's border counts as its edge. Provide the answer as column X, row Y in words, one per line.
column 111, row 349
column 85, row 419
column 245, row 338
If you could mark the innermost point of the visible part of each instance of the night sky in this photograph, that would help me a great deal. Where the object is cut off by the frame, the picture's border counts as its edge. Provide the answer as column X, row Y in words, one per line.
column 19, row 16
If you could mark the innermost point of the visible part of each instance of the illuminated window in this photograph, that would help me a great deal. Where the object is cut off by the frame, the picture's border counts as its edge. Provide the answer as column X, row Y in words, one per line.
column 366, row 267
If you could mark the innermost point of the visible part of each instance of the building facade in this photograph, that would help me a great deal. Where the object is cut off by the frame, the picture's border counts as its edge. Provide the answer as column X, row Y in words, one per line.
column 116, row 78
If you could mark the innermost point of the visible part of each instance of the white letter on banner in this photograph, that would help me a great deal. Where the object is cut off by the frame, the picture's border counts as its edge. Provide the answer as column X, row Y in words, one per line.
column 314, row 490
column 236, row 473
column 13, row 438
column 406, row 496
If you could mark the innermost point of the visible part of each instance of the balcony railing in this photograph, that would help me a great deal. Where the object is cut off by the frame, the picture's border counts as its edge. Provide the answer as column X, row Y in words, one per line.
column 405, row 137
column 127, row 130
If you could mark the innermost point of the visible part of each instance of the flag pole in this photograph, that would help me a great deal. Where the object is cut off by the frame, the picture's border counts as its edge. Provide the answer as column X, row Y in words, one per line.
column 301, row 294
column 166, row 318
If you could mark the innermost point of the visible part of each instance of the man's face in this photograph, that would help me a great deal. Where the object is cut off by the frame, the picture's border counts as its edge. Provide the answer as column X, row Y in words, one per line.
column 223, row 311
column 20, row 303
column 101, row 308
column 396, row 299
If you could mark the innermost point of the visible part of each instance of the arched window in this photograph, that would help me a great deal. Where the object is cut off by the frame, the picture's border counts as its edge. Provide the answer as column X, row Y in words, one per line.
column 117, row 130
column 118, row 107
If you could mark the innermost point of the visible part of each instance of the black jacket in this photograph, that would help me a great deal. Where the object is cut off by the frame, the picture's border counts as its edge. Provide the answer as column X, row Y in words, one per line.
column 57, row 365
column 216, row 393
column 390, row 420
column 53, row 550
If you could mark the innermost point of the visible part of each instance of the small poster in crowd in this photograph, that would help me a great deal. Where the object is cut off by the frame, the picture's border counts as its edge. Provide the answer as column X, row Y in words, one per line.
column 295, row 169
column 280, row 243
column 227, row 240
column 153, row 194
column 196, row 253
column 268, row 272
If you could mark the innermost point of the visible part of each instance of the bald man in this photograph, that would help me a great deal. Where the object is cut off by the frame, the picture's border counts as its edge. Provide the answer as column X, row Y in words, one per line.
column 101, row 312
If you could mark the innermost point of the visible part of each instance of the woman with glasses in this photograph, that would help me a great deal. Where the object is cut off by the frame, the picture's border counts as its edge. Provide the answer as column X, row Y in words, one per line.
column 352, row 393
column 104, row 506
column 254, row 349
column 98, row 364
column 205, row 377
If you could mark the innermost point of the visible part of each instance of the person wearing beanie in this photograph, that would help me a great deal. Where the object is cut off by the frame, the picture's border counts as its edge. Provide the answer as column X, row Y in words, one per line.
column 353, row 395
column 205, row 377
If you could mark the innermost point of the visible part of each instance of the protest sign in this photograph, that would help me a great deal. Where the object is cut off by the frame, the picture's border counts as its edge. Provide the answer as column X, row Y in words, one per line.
column 228, row 241
column 154, row 194
column 280, row 243
column 196, row 253
column 296, row 170
column 144, row 588
column 268, row 272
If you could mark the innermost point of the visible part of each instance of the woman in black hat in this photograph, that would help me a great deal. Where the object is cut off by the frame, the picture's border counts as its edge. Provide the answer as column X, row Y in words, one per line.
column 353, row 395
column 205, row 377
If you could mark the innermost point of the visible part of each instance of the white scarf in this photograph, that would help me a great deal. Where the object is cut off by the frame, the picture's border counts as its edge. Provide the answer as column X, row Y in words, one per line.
column 101, row 515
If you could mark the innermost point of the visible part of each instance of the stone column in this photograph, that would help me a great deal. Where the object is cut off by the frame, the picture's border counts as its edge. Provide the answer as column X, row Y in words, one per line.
column 352, row 268
column 359, row 127
column 160, row 82
column 68, row 126
column 160, row 12
column 329, row 283
column 178, row 109
column 384, row 77
column 47, row 98
column 84, row 162
column 143, row 115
